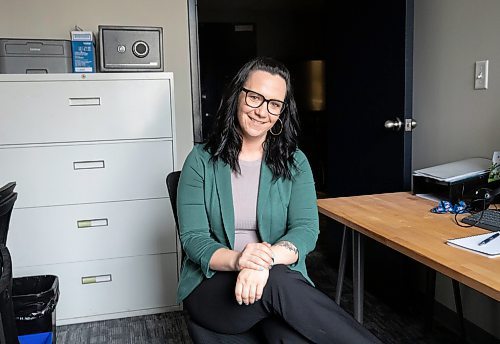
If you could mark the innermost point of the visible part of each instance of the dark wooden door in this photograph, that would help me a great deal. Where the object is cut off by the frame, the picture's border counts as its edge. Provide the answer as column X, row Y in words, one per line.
column 369, row 81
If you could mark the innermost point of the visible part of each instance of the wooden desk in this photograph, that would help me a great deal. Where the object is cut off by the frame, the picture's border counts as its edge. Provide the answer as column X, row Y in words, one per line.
column 404, row 223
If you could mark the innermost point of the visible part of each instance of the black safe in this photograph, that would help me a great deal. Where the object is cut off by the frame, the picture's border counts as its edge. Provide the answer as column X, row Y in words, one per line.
column 130, row 49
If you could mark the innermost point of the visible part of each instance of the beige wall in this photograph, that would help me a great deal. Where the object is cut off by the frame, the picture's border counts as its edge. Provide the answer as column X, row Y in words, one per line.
column 454, row 120
column 56, row 18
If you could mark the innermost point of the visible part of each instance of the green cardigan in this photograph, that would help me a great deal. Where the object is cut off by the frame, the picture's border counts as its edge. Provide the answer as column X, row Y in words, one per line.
column 286, row 210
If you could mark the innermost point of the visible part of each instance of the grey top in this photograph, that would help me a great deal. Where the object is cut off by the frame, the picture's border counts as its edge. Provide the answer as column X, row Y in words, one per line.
column 245, row 188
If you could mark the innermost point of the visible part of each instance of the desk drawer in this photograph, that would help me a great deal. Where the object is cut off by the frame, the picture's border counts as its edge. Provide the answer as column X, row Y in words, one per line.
column 112, row 285
column 84, row 110
column 87, row 173
column 49, row 235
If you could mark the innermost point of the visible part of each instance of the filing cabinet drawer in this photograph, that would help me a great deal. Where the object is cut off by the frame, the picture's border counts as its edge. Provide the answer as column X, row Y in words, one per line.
column 112, row 285
column 84, row 110
column 87, row 173
column 91, row 231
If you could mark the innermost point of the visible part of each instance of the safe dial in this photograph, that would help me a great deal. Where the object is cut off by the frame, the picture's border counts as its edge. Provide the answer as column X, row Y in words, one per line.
column 140, row 49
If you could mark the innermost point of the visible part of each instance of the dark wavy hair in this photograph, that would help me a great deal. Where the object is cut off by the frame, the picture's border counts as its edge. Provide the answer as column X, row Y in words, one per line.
column 225, row 140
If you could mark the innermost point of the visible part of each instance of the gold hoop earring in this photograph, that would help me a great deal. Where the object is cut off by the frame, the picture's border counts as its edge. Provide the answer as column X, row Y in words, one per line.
column 281, row 128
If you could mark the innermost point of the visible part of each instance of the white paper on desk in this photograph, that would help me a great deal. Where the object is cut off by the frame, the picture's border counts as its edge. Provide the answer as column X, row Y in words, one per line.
column 470, row 243
column 456, row 170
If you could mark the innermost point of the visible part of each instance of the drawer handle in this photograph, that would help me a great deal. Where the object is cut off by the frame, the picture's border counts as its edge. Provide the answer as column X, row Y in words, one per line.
column 88, row 165
column 90, row 101
column 96, row 279
column 92, row 223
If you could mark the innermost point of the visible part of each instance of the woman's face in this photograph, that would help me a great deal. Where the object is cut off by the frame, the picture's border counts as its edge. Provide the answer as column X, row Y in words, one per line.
column 256, row 122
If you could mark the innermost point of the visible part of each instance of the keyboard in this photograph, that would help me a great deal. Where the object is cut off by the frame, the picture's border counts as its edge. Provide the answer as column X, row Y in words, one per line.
column 490, row 219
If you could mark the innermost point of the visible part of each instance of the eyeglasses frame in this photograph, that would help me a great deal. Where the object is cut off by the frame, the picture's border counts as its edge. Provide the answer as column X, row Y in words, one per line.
column 265, row 100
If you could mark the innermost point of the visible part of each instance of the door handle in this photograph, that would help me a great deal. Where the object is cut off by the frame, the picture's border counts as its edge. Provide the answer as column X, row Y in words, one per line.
column 397, row 124
column 393, row 125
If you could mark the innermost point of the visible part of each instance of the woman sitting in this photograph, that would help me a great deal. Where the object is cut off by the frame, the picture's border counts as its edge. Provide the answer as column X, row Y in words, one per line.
column 248, row 218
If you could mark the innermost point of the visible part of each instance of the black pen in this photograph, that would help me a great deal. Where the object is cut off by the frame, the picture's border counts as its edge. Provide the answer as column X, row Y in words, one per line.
column 488, row 239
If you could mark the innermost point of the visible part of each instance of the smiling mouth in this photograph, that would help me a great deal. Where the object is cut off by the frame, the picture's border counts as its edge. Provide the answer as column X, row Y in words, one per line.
column 256, row 121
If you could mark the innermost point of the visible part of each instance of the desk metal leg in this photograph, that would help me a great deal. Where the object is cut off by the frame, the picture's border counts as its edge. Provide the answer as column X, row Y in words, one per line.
column 343, row 257
column 460, row 313
column 429, row 298
column 358, row 275
column 430, row 293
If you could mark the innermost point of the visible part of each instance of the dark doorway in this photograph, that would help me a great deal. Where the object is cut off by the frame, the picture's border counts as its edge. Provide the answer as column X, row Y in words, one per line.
column 224, row 48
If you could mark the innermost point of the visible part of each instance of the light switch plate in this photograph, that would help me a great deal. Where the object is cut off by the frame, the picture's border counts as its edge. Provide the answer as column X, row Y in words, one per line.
column 481, row 75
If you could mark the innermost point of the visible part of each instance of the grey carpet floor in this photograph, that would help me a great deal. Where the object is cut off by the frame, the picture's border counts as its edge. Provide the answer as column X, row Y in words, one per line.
column 150, row 329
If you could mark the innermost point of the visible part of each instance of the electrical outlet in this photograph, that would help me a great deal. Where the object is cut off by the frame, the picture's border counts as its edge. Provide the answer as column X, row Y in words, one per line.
column 481, row 75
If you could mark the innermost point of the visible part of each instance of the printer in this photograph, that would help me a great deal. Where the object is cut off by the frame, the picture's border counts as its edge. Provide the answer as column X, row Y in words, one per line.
column 30, row 56
column 453, row 181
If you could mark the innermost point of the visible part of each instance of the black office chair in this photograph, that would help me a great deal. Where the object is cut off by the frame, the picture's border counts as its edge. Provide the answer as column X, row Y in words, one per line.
column 198, row 333
column 7, row 199
column 6, row 190
column 8, row 330
column 256, row 334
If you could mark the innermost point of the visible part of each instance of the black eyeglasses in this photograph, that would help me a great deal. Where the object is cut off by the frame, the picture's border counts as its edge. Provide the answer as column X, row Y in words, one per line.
column 255, row 100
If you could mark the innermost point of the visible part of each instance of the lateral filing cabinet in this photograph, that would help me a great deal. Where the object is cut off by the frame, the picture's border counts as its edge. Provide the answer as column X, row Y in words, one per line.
column 90, row 154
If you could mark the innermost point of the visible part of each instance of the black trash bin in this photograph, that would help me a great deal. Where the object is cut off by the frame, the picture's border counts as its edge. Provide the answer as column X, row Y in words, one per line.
column 35, row 300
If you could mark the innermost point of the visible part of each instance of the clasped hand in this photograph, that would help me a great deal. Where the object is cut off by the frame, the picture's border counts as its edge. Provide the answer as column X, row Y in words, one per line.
column 257, row 256
column 254, row 263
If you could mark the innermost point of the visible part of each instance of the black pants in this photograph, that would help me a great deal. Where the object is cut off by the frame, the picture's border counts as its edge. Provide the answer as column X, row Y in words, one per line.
column 287, row 295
